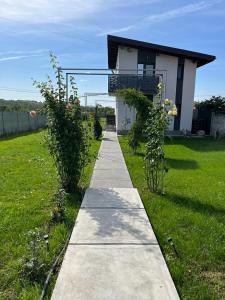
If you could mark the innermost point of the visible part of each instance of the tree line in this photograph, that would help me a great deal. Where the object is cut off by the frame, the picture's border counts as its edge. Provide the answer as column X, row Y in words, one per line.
column 28, row 105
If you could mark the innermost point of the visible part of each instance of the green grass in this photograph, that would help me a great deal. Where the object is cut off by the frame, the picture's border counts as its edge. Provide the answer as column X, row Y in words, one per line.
column 28, row 181
column 192, row 212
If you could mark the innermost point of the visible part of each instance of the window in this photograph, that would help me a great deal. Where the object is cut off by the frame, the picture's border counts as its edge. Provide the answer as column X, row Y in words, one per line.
column 149, row 70
column 144, row 69
column 140, row 69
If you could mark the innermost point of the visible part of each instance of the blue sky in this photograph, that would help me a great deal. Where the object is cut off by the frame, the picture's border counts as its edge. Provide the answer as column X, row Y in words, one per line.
column 75, row 30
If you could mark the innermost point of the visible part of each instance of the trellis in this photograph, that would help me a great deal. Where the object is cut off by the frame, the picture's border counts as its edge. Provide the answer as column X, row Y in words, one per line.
column 114, row 73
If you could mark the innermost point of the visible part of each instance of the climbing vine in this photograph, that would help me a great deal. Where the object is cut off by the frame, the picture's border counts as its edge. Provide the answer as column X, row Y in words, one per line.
column 136, row 99
column 152, row 119
column 158, row 120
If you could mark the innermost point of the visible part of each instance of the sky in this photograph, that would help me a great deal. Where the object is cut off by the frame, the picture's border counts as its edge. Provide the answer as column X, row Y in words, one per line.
column 76, row 31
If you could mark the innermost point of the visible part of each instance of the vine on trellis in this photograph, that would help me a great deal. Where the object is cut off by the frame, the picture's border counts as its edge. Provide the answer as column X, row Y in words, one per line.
column 158, row 120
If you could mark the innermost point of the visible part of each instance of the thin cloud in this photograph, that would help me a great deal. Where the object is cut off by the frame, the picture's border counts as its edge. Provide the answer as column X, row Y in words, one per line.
column 28, row 52
column 59, row 11
column 42, row 11
column 168, row 15
column 18, row 57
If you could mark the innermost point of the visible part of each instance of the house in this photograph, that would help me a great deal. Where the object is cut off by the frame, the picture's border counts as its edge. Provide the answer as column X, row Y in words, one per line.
column 143, row 65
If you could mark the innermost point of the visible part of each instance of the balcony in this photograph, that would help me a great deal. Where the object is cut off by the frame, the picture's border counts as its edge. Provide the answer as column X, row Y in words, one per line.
column 146, row 84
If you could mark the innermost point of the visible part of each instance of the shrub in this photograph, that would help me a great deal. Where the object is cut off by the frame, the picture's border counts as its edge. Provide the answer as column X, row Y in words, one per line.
column 97, row 125
column 134, row 137
column 67, row 138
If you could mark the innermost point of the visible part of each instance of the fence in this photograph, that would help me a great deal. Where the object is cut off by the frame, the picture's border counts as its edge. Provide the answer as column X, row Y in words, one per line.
column 16, row 122
column 218, row 124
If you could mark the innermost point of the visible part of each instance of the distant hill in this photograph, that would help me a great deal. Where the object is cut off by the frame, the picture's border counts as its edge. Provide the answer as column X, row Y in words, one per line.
column 19, row 105
column 26, row 106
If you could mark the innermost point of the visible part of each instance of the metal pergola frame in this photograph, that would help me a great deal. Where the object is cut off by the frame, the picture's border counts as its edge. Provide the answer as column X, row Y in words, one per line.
column 105, row 72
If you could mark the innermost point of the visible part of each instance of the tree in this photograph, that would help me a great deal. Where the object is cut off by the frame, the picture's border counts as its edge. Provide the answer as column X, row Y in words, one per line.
column 67, row 137
column 215, row 103
column 97, row 125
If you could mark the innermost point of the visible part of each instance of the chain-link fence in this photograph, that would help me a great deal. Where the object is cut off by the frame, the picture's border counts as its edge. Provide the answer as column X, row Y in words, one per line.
column 16, row 122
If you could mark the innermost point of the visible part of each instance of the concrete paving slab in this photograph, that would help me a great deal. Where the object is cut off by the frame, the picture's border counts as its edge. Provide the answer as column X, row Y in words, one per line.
column 107, row 165
column 123, row 174
column 112, row 272
column 112, row 226
column 111, row 156
column 110, row 163
column 111, row 183
column 111, row 146
column 112, row 198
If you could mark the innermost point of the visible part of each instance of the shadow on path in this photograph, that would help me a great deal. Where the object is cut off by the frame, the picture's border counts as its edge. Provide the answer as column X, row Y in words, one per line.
column 117, row 216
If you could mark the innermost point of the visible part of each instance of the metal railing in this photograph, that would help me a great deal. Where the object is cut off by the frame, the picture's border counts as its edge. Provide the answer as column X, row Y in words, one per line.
column 145, row 83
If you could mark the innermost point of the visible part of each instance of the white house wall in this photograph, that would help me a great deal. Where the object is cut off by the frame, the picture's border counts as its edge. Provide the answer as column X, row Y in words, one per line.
column 168, row 63
column 188, row 94
column 126, row 60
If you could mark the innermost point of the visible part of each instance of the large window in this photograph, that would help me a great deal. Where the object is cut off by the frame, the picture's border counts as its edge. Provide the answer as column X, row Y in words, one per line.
column 144, row 69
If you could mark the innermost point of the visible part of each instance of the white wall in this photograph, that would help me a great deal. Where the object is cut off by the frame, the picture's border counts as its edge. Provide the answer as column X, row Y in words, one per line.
column 188, row 94
column 127, row 59
column 125, row 116
column 168, row 63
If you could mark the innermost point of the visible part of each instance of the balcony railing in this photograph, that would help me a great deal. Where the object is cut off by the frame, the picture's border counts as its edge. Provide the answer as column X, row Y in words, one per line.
column 145, row 83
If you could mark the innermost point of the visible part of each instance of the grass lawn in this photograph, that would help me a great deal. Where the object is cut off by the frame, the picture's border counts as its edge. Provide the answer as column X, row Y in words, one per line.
column 192, row 213
column 27, row 183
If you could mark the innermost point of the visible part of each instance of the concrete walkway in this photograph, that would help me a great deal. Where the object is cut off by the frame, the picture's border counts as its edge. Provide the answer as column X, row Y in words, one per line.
column 113, row 252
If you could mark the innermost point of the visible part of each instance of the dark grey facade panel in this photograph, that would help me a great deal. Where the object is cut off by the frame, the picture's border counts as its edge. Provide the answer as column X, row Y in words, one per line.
column 179, row 92
column 146, row 57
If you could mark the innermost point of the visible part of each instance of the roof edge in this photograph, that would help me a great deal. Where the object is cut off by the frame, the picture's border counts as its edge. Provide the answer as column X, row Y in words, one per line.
column 113, row 42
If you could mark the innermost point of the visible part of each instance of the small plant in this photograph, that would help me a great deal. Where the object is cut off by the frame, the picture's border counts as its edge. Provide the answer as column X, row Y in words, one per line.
column 33, row 265
column 134, row 137
column 58, row 212
column 97, row 125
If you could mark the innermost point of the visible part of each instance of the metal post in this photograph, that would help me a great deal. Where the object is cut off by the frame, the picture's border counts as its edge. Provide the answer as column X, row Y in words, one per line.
column 67, row 88
column 59, row 82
